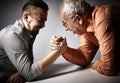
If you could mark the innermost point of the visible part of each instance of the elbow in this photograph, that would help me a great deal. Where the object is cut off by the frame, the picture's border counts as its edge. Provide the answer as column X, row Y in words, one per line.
column 32, row 75
column 108, row 73
column 105, row 70
column 29, row 79
column 85, row 64
column 29, row 76
column 80, row 63
column 31, row 72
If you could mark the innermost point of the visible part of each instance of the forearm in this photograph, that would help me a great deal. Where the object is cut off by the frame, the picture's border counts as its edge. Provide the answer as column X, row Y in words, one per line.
column 81, row 56
column 85, row 52
column 75, row 56
column 48, row 60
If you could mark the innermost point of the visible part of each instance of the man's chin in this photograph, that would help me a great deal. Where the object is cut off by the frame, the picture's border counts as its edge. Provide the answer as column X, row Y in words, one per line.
column 35, row 33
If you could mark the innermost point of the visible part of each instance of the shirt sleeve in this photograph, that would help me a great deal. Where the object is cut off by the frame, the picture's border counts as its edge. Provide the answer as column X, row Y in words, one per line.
column 17, row 52
column 105, row 36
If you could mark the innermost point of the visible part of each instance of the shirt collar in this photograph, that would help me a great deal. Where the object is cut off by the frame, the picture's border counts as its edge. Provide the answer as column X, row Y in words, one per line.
column 21, row 24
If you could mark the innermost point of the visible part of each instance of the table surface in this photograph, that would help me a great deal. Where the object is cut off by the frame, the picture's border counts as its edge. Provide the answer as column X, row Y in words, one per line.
column 70, row 73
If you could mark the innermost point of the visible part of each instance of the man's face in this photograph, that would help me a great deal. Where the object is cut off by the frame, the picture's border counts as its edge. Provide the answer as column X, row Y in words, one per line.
column 37, row 20
column 76, row 24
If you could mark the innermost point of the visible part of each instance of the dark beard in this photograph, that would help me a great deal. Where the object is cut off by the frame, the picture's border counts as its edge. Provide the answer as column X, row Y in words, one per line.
column 34, row 33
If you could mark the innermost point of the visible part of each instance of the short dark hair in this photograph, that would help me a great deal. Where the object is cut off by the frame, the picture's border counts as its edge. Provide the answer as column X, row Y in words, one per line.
column 36, row 3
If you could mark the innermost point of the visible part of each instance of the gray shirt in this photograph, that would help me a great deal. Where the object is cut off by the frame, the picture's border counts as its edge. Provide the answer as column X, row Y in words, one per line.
column 16, row 52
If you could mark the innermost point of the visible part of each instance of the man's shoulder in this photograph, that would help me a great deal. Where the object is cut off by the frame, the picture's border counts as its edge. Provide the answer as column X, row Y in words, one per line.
column 108, row 6
column 13, row 30
column 102, row 10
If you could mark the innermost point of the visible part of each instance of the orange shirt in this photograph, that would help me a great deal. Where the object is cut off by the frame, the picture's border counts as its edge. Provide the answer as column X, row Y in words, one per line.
column 106, row 22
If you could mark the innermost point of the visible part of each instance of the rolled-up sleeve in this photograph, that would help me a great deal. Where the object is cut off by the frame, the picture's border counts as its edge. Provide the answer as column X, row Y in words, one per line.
column 16, row 49
column 105, row 35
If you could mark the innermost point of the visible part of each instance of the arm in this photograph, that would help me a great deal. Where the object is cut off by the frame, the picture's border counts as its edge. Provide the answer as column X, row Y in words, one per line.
column 105, row 36
column 16, row 78
column 44, row 64
column 81, row 56
column 17, row 52
column 48, row 60
column 84, row 54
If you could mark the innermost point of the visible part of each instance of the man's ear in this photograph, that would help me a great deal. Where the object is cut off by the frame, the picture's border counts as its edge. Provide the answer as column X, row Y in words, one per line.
column 78, row 18
column 27, row 17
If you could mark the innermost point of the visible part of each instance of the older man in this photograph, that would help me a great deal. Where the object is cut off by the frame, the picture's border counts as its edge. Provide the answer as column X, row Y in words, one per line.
column 98, row 28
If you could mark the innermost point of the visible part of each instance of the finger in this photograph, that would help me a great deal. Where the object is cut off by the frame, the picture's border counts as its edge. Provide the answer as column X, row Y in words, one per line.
column 17, row 81
column 55, row 48
column 21, row 80
column 54, row 45
column 60, row 39
column 64, row 37
column 61, row 44
column 54, row 37
column 53, row 40
column 64, row 41
column 57, row 38
column 10, row 80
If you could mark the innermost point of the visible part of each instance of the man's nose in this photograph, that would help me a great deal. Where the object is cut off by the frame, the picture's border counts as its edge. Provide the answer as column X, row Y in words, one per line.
column 66, row 28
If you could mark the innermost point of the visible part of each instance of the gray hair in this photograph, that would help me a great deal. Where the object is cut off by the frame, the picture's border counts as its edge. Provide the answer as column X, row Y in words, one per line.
column 75, row 7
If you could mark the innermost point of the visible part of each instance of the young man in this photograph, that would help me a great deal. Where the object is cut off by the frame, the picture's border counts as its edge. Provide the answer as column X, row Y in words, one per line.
column 98, row 27
column 16, row 43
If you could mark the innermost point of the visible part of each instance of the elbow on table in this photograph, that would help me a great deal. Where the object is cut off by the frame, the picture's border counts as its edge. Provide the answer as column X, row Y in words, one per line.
column 82, row 64
column 30, row 76
column 86, row 64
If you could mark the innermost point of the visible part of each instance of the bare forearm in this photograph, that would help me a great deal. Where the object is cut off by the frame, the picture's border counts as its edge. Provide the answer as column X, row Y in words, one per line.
column 74, row 56
column 82, row 56
column 47, row 61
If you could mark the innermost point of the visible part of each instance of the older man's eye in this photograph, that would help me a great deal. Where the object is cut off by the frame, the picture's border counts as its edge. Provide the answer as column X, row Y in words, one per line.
column 64, row 24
